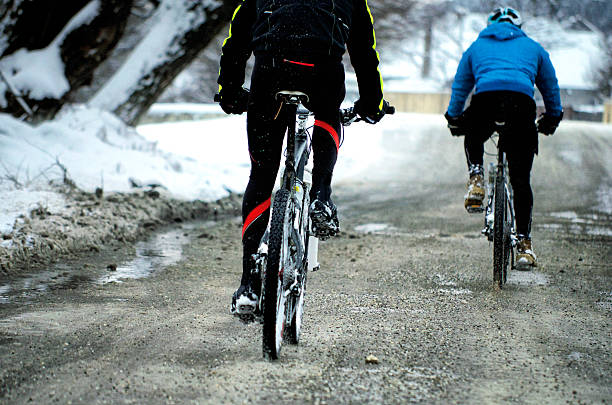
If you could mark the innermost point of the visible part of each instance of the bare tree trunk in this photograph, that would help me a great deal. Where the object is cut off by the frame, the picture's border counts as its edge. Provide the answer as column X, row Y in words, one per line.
column 88, row 46
column 85, row 39
column 426, row 69
column 8, row 18
column 182, row 29
column 33, row 24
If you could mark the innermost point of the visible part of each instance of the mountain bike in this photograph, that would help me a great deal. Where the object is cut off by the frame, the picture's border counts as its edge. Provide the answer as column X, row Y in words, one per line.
column 287, row 246
column 499, row 221
column 288, row 249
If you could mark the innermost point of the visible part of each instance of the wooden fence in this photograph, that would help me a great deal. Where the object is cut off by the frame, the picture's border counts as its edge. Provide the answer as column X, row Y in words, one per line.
column 607, row 115
column 431, row 103
column 437, row 103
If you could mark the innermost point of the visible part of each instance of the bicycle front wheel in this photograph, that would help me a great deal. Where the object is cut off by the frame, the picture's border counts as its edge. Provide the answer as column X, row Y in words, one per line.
column 297, row 272
column 501, row 232
column 295, row 307
column 274, row 298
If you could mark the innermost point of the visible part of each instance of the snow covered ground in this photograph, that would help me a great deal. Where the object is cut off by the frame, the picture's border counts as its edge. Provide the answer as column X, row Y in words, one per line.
column 203, row 160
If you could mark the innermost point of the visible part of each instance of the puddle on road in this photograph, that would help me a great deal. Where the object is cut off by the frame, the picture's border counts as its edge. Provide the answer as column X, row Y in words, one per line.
column 374, row 228
column 152, row 255
column 157, row 253
column 448, row 286
column 583, row 223
column 527, row 278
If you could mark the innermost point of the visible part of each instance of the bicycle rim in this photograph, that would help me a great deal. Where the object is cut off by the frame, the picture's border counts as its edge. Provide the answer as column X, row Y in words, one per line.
column 274, row 297
column 501, row 232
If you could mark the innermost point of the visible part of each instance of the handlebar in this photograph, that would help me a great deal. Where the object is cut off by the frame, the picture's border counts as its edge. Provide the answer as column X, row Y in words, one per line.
column 349, row 115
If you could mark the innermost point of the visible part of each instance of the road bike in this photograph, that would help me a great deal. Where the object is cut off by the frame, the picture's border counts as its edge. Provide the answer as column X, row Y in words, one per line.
column 288, row 249
column 499, row 219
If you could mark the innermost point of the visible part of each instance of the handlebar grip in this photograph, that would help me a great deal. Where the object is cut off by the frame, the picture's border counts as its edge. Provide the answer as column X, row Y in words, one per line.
column 390, row 110
column 217, row 98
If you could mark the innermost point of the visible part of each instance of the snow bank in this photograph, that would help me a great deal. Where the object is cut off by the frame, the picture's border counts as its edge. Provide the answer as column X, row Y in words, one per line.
column 195, row 160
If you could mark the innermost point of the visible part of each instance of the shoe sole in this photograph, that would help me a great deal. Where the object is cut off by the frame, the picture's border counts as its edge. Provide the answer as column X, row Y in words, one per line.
column 244, row 306
column 523, row 266
column 474, row 204
column 320, row 230
column 474, row 209
column 246, row 319
column 245, row 313
column 245, row 309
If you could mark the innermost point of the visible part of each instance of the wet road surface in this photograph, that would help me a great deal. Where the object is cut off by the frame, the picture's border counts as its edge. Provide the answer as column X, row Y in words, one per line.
column 409, row 281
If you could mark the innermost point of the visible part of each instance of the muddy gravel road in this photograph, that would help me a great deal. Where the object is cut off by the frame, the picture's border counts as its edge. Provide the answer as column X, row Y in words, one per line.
column 408, row 281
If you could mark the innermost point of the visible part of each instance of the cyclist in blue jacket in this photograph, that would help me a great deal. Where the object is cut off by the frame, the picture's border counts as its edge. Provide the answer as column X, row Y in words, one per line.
column 503, row 64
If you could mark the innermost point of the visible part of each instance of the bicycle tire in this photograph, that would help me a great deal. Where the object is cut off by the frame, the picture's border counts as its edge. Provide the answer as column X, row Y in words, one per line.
column 501, row 231
column 274, row 298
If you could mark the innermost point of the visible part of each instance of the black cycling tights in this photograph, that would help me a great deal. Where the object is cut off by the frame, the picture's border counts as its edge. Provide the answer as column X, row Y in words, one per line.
column 519, row 141
column 519, row 165
column 323, row 82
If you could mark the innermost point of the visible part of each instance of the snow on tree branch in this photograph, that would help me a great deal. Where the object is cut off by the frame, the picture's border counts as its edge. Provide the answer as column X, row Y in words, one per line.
column 181, row 29
column 40, row 74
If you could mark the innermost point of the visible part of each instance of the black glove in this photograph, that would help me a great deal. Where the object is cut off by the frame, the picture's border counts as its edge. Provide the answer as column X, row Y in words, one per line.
column 233, row 100
column 456, row 124
column 370, row 114
column 547, row 124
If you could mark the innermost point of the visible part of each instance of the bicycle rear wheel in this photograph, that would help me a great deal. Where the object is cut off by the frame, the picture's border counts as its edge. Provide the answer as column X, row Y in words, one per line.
column 273, row 293
column 501, row 232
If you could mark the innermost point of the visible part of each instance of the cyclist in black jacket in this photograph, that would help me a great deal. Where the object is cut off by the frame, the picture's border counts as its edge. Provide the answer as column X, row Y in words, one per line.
column 298, row 45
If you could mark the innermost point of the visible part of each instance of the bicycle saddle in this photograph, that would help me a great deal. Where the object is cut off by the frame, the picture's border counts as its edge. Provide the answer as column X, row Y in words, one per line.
column 293, row 96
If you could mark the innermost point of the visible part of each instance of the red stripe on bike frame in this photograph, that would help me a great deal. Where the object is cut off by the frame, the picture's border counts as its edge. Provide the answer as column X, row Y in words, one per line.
column 256, row 213
column 299, row 63
column 331, row 131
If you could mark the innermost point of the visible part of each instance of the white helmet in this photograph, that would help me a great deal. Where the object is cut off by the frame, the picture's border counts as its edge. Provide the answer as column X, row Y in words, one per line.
column 505, row 14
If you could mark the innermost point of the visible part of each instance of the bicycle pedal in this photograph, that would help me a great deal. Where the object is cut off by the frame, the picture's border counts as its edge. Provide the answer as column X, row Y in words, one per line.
column 246, row 318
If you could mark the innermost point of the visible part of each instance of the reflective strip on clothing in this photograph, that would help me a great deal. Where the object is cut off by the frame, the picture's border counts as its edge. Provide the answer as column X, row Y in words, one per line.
column 380, row 106
column 229, row 34
column 331, row 130
column 256, row 213
column 299, row 63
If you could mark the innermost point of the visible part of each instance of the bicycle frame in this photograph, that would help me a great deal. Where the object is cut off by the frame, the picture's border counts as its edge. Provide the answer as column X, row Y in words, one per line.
column 298, row 153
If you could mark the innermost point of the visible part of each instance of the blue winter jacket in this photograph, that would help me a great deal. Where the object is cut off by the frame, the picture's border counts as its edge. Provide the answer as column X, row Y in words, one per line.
column 504, row 58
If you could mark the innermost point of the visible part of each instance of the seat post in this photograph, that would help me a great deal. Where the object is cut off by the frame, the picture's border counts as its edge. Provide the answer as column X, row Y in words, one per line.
column 290, row 158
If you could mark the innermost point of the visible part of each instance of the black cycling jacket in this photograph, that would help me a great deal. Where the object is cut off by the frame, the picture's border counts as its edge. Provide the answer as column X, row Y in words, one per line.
column 306, row 30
